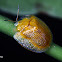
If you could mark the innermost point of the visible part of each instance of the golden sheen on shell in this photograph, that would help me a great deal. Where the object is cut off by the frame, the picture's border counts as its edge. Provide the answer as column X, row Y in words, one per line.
column 33, row 34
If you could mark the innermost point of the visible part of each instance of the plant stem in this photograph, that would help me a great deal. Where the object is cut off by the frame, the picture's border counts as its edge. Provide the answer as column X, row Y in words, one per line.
column 55, row 51
column 8, row 28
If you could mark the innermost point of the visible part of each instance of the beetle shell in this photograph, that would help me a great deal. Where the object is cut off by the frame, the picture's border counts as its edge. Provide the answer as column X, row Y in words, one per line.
column 33, row 34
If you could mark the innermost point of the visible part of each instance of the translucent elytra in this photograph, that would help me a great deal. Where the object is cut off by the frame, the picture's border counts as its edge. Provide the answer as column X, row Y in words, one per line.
column 33, row 34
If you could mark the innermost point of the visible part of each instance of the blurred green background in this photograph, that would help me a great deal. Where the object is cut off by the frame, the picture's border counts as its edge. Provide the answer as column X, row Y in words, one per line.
column 27, row 7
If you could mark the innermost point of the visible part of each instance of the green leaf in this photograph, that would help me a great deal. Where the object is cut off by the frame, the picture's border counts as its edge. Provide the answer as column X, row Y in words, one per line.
column 52, row 7
column 25, row 6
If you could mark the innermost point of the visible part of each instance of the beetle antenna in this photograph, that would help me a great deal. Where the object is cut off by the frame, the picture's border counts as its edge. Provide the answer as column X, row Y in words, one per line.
column 17, row 13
